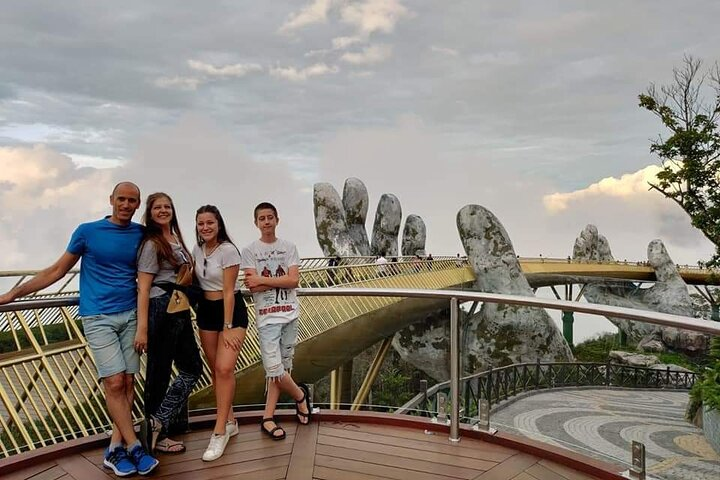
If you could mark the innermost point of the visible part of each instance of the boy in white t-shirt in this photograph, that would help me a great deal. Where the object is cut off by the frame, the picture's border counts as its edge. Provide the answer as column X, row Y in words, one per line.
column 272, row 272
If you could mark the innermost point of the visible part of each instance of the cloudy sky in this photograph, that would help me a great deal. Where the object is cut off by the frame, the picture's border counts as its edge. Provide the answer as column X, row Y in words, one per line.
column 526, row 107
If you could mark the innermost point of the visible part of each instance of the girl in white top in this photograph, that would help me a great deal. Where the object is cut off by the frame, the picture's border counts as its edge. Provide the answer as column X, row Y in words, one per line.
column 221, row 317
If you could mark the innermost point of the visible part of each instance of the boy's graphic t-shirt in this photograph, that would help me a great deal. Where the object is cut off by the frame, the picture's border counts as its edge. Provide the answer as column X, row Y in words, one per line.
column 277, row 305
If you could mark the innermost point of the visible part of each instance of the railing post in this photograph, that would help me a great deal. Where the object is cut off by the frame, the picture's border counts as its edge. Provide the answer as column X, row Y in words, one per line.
column 467, row 394
column 490, row 385
column 454, row 371
column 607, row 373
column 637, row 471
column 537, row 374
column 622, row 338
column 483, row 424
column 424, row 390
column 568, row 318
column 441, row 403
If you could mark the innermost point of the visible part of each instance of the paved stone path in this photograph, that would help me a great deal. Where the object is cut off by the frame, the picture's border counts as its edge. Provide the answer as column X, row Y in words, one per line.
column 602, row 424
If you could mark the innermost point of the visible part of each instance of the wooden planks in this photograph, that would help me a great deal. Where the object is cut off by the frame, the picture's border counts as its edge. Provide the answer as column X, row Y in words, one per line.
column 52, row 473
column 81, row 468
column 302, row 460
column 30, row 471
column 564, row 473
column 420, row 441
column 370, row 451
column 329, row 450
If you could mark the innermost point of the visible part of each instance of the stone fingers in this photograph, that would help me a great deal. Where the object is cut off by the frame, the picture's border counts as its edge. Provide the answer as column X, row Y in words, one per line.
column 387, row 226
column 330, row 222
column 414, row 235
column 355, row 203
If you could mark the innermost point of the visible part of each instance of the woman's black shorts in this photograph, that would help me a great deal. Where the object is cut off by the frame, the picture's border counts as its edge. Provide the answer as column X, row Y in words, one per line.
column 211, row 314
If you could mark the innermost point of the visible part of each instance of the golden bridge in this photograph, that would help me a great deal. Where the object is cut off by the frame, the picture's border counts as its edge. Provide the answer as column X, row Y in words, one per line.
column 50, row 394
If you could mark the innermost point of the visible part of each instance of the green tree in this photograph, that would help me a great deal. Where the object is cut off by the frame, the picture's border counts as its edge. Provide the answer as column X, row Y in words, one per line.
column 689, row 107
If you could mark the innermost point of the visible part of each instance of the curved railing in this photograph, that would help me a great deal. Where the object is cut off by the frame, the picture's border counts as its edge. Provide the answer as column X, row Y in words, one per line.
column 497, row 385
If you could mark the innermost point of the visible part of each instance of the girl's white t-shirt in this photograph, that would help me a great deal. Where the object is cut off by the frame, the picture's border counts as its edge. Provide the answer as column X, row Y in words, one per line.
column 209, row 269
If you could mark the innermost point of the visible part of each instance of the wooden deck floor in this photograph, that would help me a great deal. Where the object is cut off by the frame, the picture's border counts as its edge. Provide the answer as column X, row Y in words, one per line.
column 326, row 449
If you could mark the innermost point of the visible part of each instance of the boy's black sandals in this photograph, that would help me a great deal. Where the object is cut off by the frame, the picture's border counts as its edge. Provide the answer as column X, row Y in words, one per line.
column 271, row 433
column 303, row 418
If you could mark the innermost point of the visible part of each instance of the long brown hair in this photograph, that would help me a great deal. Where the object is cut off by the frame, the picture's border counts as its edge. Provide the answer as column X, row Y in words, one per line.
column 154, row 233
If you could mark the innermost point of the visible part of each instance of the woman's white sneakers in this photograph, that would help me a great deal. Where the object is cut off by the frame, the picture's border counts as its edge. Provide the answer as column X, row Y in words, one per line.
column 218, row 442
column 217, row 446
column 231, row 428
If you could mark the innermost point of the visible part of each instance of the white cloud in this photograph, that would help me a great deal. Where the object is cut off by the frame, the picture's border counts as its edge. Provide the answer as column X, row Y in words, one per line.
column 43, row 197
column 321, row 52
column 235, row 70
column 629, row 214
column 207, row 72
column 294, row 75
column 373, row 15
column 444, row 51
column 341, row 43
column 316, row 12
column 179, row 82
column 362, row 74
column 627, row 186
column 369, row 55
column 38, row 177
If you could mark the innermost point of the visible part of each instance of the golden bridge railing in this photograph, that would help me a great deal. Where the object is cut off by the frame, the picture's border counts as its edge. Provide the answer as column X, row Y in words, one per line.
column 49, row 392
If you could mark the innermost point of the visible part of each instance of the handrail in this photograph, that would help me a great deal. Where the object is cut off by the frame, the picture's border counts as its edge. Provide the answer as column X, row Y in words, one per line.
column 665, row 378
column 647, row 316
column 656, row 318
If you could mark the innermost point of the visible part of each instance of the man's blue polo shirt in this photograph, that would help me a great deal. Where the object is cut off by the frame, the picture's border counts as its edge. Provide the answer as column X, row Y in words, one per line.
column 108, row 269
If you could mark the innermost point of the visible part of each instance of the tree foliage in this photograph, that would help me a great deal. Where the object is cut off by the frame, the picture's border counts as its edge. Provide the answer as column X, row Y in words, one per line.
column 690, row 107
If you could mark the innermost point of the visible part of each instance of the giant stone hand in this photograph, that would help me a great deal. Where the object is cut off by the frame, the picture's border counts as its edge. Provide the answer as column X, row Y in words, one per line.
column 669, row 294
column 340, row 224
column 498, row 334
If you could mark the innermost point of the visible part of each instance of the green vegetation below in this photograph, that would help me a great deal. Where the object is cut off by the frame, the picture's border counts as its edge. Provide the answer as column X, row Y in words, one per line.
column 706, row 390
column 598, row 349
column 53, row 333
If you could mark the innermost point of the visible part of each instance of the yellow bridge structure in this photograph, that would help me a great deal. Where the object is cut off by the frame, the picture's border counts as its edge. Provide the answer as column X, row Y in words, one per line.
column 49, row 392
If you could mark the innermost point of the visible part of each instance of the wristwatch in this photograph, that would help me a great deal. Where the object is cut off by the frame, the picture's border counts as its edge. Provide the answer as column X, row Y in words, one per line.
column 228, row 326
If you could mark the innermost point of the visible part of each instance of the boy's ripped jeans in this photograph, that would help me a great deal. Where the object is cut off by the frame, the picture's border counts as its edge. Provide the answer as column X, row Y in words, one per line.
column 277, row 347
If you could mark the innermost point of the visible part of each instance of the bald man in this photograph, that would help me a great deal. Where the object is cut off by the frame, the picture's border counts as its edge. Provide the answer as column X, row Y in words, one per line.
column 108, row 300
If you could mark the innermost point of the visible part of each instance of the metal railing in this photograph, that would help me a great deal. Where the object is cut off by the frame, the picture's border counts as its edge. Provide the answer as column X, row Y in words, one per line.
column 49, row 391
column 656, row 318
column 498, row 385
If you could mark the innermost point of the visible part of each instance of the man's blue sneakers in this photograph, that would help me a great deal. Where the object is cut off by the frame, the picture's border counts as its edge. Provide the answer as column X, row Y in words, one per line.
column 119, row 462
column 144, row 462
